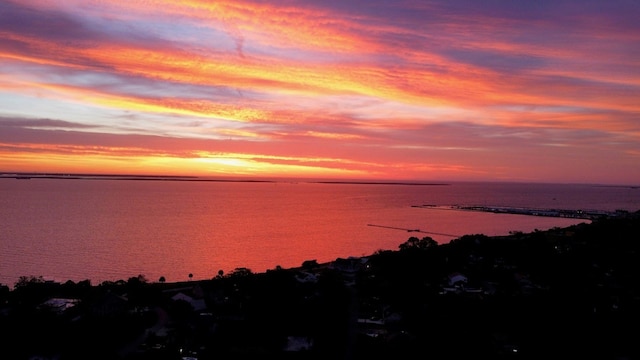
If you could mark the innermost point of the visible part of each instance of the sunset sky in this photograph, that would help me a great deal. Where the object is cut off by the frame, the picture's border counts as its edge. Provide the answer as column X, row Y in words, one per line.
column 545, row 90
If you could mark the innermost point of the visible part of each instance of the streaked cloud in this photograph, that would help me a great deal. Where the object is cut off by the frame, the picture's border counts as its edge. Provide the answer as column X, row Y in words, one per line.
column 527, row 91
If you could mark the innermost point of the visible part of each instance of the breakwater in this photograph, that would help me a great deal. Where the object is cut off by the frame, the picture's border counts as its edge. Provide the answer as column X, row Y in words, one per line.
column 563, row 213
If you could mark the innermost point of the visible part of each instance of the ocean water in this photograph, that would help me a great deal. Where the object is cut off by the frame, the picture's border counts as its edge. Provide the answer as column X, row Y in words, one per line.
column 107, row 230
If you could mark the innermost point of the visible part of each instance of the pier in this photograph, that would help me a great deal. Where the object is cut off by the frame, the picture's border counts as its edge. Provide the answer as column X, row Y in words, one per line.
column 412, row 230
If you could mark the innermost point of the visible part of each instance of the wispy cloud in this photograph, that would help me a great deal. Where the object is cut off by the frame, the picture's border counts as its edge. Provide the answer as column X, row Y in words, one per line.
column 413, row 89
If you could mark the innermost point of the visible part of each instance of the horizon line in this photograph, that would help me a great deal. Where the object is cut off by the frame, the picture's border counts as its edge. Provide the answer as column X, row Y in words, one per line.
column 274, row 179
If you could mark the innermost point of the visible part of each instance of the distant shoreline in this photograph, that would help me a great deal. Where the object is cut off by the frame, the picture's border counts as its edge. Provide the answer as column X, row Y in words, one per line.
column 21, row 176
column 71, row 176
column 378, row 183
column 194, row 178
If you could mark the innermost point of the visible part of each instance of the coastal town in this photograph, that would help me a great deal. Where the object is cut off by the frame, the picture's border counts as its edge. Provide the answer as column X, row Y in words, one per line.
column 564, row 292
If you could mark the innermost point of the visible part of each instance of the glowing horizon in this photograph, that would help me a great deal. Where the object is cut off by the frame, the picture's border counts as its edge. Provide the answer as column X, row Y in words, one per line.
column 418, row 90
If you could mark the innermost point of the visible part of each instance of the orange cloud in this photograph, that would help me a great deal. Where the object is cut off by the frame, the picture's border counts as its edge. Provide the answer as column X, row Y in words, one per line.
column 351, row 91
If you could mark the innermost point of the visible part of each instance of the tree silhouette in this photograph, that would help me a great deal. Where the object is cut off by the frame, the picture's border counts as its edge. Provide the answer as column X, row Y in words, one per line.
column 27, row 280
column 241, row 272
column 415, row 243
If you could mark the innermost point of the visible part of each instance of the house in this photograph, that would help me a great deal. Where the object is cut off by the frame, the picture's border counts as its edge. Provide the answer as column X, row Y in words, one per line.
column 59, row 305
column 298, row 343
column 457, row 279
column 197, row 304
column 350, row 264
column 111, row 304
column 306, row 277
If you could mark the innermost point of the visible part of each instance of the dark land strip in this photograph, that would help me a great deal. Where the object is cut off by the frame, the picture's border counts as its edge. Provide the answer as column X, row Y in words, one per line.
column 561, row 293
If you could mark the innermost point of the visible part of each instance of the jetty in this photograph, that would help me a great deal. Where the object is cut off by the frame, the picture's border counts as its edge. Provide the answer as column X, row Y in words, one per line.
column 412, row 230
column 563, row 213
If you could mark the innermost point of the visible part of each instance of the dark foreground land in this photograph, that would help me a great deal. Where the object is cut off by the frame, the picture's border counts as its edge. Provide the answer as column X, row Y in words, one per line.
column 565, row 293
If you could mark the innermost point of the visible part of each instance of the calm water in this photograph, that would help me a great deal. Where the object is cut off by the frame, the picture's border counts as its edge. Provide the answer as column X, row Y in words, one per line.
column 114, row 229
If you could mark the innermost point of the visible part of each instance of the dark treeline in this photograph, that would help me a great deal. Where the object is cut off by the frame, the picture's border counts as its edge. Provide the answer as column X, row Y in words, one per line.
column 560, row 293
